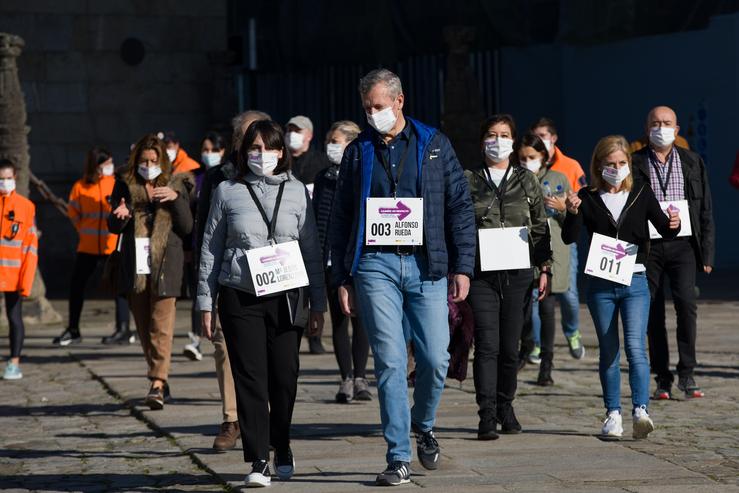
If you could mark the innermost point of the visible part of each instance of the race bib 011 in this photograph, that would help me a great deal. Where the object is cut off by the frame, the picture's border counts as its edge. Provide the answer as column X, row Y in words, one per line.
column 611, row 259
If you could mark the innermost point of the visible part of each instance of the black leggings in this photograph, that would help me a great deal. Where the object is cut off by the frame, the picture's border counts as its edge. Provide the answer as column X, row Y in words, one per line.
column 15, row 320
column 84, row 266
column 347, row 352
column 263, row 350
column 546, row 314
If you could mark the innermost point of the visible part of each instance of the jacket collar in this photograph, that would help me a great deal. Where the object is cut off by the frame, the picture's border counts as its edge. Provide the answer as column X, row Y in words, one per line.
column 253, row 179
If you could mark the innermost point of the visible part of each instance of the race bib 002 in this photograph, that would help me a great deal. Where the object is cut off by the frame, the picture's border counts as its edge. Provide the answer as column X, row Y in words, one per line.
column 277, row 268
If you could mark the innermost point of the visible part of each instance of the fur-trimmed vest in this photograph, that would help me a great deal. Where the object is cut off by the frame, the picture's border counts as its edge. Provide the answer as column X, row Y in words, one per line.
column 166, row 224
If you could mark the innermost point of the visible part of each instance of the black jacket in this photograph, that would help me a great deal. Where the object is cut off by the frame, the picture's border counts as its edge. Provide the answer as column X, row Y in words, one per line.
column 323, row 202
column 641, row 206
column 698, row 195
column 213, row 177
column 309, row 164
column 171, row 223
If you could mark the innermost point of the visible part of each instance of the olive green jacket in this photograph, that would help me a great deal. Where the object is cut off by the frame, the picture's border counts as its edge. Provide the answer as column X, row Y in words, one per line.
column 523, row 205
column 559, row 184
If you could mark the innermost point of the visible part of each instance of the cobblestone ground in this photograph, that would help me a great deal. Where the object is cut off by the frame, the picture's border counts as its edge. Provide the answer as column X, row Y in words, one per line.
column 75, row 424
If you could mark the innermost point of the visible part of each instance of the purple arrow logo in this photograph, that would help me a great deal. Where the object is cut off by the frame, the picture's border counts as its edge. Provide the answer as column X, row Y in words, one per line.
column 619, row 251
column 400, row 209
column 672, row 208
column 279, row 256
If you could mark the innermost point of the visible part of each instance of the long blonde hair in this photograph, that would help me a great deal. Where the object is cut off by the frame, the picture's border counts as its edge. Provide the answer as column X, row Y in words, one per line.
column 604, row 148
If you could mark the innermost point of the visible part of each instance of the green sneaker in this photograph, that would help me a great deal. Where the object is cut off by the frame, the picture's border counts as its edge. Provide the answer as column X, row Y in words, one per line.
column 577, row 350
column 534, row 357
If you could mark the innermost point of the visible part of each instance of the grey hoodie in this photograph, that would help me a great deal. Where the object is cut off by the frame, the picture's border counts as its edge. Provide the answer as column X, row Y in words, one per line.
column 235, row 225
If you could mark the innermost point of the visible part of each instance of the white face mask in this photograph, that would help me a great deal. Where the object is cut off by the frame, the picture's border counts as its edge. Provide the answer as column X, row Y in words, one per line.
column 149, row 173
column 295, row 140
column 662, row 137
column 210, row 159
column 498, row 149
column 263, row 163
column 7, row 185
column 383, row 121
column 614, row 176
column 107, row 170
column 171, row 154
column 533, row 165
column 335, row 152
column 548, row 144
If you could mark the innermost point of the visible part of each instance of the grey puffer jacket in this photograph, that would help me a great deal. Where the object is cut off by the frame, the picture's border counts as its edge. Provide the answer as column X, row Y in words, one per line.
column 235, row 226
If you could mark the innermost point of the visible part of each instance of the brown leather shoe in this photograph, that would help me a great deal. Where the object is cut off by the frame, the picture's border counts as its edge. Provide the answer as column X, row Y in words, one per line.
column 229, row 434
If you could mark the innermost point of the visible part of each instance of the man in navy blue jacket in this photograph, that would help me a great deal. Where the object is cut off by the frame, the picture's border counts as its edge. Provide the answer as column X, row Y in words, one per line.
column 403, row 223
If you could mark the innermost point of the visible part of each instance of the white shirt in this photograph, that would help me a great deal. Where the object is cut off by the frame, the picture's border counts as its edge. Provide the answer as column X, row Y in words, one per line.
column 497, row 175
column 616, row 203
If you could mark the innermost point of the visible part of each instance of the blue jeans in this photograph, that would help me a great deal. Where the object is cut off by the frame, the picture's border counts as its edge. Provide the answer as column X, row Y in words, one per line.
column 569, row 303
column 605, row 300
column 389, row 288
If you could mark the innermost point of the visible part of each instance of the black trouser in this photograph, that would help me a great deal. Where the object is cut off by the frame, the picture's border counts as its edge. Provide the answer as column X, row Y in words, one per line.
column 263, row 349
column 13, row 303
column 498, row 300
column 190, row 273
column 546, row 315
column 347, row 352
column 84, row 266
column 676, row 260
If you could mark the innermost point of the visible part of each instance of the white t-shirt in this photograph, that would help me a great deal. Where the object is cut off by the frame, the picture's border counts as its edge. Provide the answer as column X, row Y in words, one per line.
column 616, row 203
column 497, row 175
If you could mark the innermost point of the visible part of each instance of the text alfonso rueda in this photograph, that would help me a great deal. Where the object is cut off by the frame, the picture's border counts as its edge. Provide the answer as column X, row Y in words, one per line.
column 403, row 228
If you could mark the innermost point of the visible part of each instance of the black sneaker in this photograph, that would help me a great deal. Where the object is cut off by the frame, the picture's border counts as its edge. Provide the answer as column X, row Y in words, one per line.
column 427, row 448
column 259, row 477
column 545, row 373
column 691, row 389
column 68, row 338
column 664, row 389
column 155, row 398
column 486, row 430
column 122, row 335
column 395, row 474
column 284, row 464
column 509, row 425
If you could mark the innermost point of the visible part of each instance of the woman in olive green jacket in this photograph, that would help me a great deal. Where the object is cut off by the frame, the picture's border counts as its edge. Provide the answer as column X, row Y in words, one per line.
column 507, row 198
column 531, row 153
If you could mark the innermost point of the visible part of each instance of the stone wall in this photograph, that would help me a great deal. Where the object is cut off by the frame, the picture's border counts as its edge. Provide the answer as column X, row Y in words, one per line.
column 79, row 91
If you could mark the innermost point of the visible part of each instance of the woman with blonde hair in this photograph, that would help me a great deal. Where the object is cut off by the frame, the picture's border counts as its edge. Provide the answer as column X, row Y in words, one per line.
column 615, row 211
column 152, row 213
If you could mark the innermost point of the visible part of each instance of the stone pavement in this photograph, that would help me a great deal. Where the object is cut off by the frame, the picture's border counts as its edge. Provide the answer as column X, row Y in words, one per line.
column 75, row 424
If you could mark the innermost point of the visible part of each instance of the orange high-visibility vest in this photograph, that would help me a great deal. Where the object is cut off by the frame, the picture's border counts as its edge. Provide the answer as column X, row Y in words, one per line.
column 184, row 163
column 89, row 210
column 18, row 244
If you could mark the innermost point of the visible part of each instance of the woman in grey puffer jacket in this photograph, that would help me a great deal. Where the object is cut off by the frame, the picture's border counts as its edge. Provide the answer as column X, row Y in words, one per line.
column 261, row 332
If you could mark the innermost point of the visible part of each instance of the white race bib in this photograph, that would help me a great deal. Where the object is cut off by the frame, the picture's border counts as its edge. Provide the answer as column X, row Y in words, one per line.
column 143, row 256
column 611, row 259
column 277, row 268
column 504, row 248
column 394, row 221
column 683, row 211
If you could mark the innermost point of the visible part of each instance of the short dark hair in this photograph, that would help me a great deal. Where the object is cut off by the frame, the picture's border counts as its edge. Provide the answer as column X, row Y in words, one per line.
column 545, row 122
column 95, row 157
column 274, row 140
column 498, row 118
column 529, row 140
column 7, row 163
column 219, row 143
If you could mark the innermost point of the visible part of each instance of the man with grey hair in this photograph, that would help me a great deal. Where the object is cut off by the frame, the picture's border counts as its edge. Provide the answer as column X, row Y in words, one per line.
column 229, row 432
column 402, row 224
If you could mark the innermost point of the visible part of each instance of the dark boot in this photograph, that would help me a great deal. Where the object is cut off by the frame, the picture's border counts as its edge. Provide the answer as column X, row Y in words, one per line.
column 122, row 335
column 486, row 429
column 545, row 371
column 315, row 346
column 509, row 425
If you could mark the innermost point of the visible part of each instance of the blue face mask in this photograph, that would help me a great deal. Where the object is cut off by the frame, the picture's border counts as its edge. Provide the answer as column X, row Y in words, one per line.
column 210, row 159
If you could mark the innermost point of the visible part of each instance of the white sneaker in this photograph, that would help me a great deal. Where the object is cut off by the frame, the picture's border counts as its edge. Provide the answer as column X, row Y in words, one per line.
column 259, row 477
column 613, row 425
column 643, row 424
column 192, row 350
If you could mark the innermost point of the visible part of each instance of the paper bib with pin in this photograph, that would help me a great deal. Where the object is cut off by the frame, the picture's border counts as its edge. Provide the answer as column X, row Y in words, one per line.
column 394, row 221
column 143, row 256
column 611, row 259
column 277, row 268
column 681, row 206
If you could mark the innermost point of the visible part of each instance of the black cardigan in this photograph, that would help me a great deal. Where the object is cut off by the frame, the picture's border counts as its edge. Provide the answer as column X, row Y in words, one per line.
column 641, row 206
